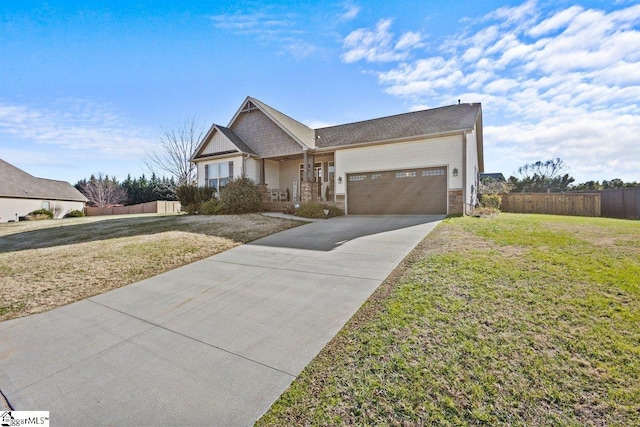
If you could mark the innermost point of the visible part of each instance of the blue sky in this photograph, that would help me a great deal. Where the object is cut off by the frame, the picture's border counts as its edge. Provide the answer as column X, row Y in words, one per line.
column 87, row 86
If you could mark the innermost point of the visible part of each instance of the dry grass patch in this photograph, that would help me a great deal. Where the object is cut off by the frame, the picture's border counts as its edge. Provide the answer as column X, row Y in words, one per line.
column 47, row 264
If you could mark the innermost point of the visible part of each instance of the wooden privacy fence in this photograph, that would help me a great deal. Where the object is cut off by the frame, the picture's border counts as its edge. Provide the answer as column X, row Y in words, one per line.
column 159, row 206
column 621, row 203
column 575, row 204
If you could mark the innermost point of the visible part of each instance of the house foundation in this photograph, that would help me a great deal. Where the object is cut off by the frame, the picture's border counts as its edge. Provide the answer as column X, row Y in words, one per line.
column 456, row 202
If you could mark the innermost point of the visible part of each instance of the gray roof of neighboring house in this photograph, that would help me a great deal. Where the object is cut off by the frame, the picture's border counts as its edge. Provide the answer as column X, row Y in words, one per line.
column 235, row 139
column 453, row 118
column 497, row 176
column 299, row 131
column 16, row 183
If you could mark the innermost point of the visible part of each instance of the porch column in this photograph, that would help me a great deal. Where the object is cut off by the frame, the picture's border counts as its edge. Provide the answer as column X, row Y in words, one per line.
column 305, row 166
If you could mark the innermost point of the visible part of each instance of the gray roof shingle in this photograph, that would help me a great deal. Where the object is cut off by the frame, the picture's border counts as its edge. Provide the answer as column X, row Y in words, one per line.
column 235, row 139
column 453, row 118
column 17, row 183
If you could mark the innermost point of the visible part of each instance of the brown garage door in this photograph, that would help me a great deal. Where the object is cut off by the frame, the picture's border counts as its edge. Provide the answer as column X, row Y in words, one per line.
column 408, row 191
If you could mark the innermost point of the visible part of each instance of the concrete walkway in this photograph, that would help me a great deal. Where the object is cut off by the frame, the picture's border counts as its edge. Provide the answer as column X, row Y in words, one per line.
column 212, row 343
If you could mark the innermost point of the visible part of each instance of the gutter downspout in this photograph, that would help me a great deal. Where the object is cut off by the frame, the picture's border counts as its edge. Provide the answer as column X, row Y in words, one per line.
column 464, row 173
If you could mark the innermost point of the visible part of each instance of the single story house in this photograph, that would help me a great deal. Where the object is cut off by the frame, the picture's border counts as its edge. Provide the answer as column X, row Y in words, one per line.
column 496, row 176
column 422, row 162
column 21, row 193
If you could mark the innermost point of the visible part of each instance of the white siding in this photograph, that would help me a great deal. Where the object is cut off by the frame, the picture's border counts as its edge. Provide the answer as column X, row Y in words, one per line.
column 218, row 144
column 272, row 174
column 252, row 169
column 472, row 169
column 237, row 167
column 290, row 174
column 10, row 207
column 444, row 151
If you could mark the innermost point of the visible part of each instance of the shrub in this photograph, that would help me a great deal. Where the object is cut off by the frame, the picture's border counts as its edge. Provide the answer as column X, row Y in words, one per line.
column 191, row 197
column 192, row 208
column 74, row 214
column 211, row 207
column 493, row 201
column 333, row 211
column 317, row 210
column 239, row 196
column 41, row 214
column 311, row 210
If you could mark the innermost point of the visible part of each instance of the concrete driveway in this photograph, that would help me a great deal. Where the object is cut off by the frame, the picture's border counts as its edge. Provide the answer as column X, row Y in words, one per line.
column 211, row 343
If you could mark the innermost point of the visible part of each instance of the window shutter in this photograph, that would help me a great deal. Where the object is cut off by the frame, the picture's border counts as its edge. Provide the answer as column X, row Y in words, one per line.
column 206, row 175
column 231, row 170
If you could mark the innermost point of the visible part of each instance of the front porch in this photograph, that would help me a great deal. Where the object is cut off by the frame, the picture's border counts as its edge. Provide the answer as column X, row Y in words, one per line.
column 309, row 190
column 285, row 180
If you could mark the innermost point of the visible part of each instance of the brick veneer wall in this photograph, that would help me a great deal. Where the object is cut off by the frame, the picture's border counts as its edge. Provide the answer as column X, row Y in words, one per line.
column 308, row 191
column 456, row 202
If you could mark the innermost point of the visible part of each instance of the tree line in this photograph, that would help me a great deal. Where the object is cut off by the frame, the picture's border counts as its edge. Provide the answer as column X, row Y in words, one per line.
column 103, row 190
column 550, row 176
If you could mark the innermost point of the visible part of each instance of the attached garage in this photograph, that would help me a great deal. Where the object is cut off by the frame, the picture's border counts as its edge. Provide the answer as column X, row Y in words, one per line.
column 398, row 192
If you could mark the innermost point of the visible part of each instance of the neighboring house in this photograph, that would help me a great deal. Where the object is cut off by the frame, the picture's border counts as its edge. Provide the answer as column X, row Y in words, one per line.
column 21, row 193
column 420, row 162
column 497, row 176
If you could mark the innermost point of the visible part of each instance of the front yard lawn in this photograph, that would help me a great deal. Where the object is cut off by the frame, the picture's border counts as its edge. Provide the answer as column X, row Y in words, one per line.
column 523, row 320
column 46, row 264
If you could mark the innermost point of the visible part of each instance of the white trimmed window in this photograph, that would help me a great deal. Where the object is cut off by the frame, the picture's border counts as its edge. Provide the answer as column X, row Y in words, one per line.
column 217, row 175
column 407, row 174
column 433, row 172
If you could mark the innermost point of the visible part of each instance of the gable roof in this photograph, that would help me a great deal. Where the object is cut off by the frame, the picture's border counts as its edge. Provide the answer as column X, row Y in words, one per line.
column 302, row 134
column 16, row 183
column 234, row 139
column 450, row 119
column 453, row 119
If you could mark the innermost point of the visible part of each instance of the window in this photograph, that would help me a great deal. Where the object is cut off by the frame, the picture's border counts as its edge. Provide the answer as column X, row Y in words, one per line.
column 433, row 172
column 379, row 175
column 46, row 205
column 217, row 175
column 353, row 178
column 408, row 174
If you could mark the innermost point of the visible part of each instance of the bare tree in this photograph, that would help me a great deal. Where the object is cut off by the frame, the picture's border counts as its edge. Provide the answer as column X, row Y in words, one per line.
column 102, row 191
column 177, row 145
column 548, row 176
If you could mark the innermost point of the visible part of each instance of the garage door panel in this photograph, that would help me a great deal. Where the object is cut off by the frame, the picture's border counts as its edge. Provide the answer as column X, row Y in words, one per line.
column 409, row 191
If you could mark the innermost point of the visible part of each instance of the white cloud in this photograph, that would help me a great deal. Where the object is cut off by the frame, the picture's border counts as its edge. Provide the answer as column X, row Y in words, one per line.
column 350, row 13
column 270, row 28
column 409, row 40
column 377, row 45
column 556, row 22
column 251, row 23
column 514, row 15
column 553, row 83
column 75, row 125
column 299, row 48
column 318, row 124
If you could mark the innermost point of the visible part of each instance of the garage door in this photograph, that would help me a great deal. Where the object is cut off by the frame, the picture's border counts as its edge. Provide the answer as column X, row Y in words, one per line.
column 407, row 191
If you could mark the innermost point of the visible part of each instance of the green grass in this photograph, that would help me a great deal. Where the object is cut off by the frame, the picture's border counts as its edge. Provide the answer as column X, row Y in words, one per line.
column 515, row 320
